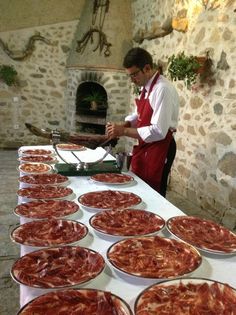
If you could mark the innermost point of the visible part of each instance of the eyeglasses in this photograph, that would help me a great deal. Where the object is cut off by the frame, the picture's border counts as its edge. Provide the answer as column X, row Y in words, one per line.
column 134, row 74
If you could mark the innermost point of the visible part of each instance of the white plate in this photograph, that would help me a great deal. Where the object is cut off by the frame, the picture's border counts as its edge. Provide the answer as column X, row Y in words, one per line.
column 121, row 307
column 169, row 297
column 97, row 178
column 33, row 210
column 34, row 168
column 34, row 177
column 36, row 152
column 70, row 147
column 58, row 263
column 37, row 159
column 107, row 195
column 23, row 192
column 153, row 257
column 48, row 233
column 203, row 228
column 126, row 223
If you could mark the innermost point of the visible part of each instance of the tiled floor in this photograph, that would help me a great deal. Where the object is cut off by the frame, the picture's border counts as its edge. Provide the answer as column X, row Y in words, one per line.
column 9, row 252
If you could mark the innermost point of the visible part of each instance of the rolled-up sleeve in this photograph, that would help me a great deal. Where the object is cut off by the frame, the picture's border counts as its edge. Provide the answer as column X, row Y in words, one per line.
column 132, row 118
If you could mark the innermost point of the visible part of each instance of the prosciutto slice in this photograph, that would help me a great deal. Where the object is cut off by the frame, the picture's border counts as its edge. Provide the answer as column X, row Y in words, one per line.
column 36, row 152
column 38, row 159
column 127, row 222
column 187, row 297
column 70, row 147
column 44, row 192
column 154, row 257
column 58, row 267
column 35, row 168
column 112, row 178
column 204, row 234
column 109, row 199
column 43, row 179
column 46, row 209
column 49, row 233
column 79, row 302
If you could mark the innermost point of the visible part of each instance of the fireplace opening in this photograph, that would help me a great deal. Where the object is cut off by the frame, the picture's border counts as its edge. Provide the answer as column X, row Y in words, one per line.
column 91, row 99
column 91, row 108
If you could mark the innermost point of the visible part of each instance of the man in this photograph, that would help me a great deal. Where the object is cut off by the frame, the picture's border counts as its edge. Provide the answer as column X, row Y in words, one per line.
column 152, row 124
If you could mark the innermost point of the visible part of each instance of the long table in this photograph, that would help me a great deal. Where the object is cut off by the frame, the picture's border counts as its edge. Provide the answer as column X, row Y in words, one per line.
column 216, row 267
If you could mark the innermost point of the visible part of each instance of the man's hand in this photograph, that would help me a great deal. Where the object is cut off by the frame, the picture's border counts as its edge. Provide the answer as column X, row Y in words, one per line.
column 114, row 130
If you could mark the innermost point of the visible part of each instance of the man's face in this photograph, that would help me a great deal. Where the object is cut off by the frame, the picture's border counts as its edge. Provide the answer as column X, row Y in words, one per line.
column 138, row 76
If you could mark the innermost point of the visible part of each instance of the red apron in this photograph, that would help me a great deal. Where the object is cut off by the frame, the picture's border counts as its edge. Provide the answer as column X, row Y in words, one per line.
column 148, row 159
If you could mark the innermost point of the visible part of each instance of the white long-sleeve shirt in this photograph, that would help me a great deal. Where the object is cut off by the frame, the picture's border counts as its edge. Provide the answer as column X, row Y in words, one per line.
column 164, row 101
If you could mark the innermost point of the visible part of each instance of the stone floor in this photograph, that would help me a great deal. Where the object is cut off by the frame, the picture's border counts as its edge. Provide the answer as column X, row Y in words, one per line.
column 9, row 252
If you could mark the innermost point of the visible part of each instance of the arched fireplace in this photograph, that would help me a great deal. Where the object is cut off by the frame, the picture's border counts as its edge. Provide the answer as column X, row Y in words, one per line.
column 91, row 107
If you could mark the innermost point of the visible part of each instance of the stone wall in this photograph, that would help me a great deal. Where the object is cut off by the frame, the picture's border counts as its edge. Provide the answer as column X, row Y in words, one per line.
column 205, row 166
column 43, row 82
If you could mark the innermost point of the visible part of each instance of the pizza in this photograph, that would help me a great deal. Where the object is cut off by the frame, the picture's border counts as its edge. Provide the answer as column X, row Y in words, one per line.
column 46, row 209
column 109, row 199
column 70, row 147
column 36, row 152
column 191, row 296
column 204, row 234
column 154, row 257
column 112, row 178
column 127, row 222
column 77, row 301
column 51, row 232
column 38, row 159
column 35, row 168
column 44, row 192
column 58, row 267
column 44, row 179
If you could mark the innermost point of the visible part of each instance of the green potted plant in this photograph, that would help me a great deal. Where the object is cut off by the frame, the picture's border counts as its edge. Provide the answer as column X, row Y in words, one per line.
column 96, row 99
column 8, row 75
column 182, row 67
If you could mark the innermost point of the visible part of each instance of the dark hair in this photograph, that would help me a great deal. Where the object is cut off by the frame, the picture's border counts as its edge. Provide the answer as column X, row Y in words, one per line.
column 138, row 57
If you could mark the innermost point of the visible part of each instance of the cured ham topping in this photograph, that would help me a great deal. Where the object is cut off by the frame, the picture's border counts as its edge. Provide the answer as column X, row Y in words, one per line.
column 154, row 257
column 204, row 234
column 127, row 222
column 44, row 192
column 43, row 179
column 49, row 233
column 35, row 168
column 109, row 199
column 112, row 178
column 58, row 267
column 46, row 209
column 36, row 152
column 77, row 301
column 187, row 299
column 70, row 146
column 37, row 158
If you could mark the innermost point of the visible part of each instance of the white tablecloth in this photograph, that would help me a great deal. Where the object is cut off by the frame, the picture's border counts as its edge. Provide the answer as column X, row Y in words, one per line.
column 221, row 268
